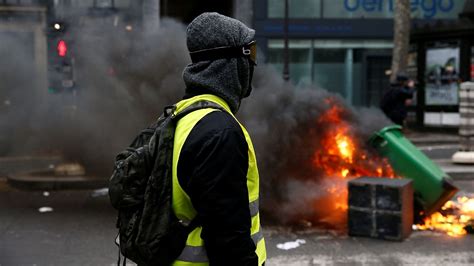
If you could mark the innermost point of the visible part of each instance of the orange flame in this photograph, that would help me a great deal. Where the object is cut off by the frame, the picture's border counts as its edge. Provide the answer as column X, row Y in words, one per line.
column 342, row 157
column 453, row 218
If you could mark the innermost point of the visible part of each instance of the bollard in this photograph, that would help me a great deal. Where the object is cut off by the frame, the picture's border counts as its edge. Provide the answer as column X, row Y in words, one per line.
column 380, row 208
column 465, row 155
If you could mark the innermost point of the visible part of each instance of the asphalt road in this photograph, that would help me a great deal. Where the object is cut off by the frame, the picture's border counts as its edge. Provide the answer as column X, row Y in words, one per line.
column 80, row 231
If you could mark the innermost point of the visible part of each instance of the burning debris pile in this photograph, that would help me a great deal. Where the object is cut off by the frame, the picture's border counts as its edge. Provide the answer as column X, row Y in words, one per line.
column 456, row 217
column 341, row 153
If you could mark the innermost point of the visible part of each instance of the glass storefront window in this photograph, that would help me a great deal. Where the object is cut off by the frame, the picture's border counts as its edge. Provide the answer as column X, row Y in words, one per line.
column 334, row 65
column 103, row 3
column 99, row 3
column 297, row 8
column 338, row 70
column 421, row 9
column 300, row 59
column 122, row 3
column 82, row 3
column 442, row 75
column 329, row 69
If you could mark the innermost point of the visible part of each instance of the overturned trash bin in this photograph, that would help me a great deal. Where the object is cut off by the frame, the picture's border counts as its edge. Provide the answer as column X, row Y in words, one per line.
column 380, row 208
column 432, row 186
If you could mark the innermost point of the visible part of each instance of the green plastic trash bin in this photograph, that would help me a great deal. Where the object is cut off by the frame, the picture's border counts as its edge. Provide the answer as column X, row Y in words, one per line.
column 432, row 186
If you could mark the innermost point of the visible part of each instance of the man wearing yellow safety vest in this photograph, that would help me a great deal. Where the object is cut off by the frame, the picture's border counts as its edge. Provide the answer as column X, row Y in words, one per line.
column 215, row 175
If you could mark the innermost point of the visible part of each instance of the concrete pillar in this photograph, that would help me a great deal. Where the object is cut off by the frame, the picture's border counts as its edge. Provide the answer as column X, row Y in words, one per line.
column 41, row 60
column 151, row 14
column 466, row 127
column 243, row 11
column 349, row 64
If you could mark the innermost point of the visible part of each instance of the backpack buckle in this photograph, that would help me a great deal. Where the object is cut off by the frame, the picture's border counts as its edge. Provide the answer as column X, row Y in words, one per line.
column 185, row 223
column 169, row 110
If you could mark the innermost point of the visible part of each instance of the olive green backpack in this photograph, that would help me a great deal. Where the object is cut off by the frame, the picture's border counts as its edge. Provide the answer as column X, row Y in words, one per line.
column 141, row 190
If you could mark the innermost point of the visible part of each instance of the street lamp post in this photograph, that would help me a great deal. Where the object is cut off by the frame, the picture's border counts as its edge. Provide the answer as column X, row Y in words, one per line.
column 286, row 54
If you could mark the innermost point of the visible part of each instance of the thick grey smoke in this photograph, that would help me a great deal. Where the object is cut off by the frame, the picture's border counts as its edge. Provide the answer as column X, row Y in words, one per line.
column 285, row 125
column 124, row 81
column 18, row 90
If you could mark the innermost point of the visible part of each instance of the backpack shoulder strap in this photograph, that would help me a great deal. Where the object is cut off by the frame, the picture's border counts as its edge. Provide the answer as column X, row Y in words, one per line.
column 169, row 111
column 197, row 106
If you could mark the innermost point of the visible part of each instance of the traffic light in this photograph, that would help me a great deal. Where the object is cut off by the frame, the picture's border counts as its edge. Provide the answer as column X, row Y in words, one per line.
column 60, row 60
column 62, row 48
column 57, row 26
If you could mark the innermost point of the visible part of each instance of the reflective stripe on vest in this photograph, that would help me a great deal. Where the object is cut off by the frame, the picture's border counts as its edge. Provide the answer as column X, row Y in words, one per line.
column 194, row 253
column 253, row 206
column 199, row 255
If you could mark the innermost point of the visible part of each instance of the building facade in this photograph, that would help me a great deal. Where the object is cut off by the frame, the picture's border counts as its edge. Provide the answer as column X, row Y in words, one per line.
column 343, row 46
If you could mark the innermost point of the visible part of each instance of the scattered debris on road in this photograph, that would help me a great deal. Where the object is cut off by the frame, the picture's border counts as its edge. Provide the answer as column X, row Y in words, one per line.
column 291, row 244
column 45, row 209
column 100, row 192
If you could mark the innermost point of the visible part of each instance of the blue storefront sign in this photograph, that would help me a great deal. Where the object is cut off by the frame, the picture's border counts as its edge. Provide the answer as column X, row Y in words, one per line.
column 425, row 9
column 381, row 9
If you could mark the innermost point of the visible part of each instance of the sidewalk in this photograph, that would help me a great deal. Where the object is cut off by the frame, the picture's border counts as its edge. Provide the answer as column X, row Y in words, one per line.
column 423, row 138
column 447, row 140
column 15, row 169
column 36, row 173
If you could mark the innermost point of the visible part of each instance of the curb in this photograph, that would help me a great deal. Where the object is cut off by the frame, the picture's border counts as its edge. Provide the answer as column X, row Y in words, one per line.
column 460, row 175
column 424, row 141
column 14, row 164
column 456, row 171
column 56, row 183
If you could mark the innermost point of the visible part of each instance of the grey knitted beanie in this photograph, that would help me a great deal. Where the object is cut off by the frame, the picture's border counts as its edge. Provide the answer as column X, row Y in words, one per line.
column 227, row 78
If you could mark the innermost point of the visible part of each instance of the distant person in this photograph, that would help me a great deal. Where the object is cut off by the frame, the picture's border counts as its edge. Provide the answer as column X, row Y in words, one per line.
column 394, row 102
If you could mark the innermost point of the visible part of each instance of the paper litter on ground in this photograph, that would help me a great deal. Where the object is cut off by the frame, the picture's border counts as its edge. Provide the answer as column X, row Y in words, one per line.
column 100, row 192
column 45, row 209
column 291, row 244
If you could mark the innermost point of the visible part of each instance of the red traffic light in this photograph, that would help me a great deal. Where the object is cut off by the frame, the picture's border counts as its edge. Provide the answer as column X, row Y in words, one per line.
column 62, row 48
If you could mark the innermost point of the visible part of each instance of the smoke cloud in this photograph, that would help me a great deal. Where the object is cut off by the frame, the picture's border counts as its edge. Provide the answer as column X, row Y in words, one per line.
column 285, row 125
column 124, row 80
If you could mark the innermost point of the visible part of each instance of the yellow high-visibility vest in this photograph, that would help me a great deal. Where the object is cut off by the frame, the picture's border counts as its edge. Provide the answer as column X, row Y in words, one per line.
column 194, row 252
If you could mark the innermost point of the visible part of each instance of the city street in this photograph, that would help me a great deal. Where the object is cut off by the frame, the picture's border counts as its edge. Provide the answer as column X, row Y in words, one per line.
column 81, row 227
column 314, row 110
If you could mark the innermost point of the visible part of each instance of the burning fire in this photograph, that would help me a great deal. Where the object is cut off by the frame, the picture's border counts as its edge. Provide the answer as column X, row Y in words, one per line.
column 340, row 158
column 454, row 217
column 341, row 155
